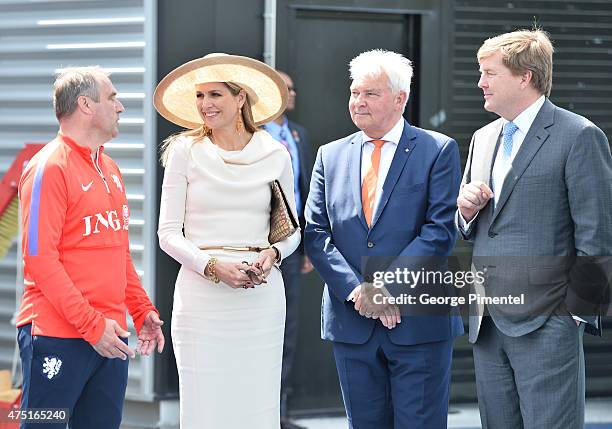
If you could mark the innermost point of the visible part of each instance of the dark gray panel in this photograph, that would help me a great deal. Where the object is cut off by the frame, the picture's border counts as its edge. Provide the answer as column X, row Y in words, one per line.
column 582, row 35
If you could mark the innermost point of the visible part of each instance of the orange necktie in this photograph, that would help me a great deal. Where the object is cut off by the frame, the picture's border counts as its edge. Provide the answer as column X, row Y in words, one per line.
column 368, row 187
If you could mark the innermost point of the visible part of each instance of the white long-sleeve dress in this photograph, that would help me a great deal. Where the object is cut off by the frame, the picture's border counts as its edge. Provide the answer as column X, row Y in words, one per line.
column 228, row 342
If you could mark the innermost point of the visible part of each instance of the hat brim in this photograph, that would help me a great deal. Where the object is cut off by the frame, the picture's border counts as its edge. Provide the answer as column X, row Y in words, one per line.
column 175, row 100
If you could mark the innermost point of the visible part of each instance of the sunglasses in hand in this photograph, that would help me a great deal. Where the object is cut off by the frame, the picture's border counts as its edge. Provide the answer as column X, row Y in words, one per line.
column 255, row 273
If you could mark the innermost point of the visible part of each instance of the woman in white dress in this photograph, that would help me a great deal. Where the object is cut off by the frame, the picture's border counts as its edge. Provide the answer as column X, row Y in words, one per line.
column 228, row 316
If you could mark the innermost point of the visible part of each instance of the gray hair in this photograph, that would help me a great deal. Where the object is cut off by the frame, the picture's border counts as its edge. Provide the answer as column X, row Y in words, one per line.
column 379, row 61
column 72, row 83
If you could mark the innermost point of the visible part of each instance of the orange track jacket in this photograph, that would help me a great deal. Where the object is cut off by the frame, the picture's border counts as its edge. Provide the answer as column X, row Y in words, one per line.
column 77, row 264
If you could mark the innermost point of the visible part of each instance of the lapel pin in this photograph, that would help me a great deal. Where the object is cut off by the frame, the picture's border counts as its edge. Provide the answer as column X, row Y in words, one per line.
column 406, row 150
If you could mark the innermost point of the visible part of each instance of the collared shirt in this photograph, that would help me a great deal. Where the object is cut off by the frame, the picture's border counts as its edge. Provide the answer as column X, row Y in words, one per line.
column 523, row 121
column 283, row 134
column 500, row 169
column 391, row 139
column 387, row 152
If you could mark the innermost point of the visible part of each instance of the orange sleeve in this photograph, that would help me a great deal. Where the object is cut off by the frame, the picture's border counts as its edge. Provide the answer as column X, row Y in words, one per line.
column 44, row 201
column 136, row 299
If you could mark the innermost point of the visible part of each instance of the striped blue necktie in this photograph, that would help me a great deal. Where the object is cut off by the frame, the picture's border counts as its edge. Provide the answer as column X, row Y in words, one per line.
column 509, row 131
column 503, row 162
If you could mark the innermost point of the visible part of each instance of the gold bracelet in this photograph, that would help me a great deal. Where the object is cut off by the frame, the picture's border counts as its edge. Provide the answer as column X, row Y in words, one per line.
column 211, row 267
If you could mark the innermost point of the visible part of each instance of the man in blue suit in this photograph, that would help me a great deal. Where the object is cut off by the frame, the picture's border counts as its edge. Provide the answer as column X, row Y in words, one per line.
column 385, row 192
column 295, row 138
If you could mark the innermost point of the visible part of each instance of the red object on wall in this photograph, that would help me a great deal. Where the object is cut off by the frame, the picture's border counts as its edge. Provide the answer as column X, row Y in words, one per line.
column 10, row 181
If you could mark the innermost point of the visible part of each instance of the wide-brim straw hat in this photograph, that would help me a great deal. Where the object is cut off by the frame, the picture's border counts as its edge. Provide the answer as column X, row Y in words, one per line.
column 175, row 99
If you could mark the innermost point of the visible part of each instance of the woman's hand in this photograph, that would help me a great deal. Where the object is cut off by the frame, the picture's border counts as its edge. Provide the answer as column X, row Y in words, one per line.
column 233, row 275
column 255, row 273
column 267, row 258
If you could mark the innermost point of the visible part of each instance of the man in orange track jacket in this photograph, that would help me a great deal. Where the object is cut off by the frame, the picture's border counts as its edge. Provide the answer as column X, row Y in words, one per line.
column 79, row 276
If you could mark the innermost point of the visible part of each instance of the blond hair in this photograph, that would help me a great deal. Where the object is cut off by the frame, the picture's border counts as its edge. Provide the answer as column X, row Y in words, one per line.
column 524, row 50
column 197, row 134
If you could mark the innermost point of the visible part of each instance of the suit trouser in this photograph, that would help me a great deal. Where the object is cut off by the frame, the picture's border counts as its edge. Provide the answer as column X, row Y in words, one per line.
column 534, row 381
column 291, row 270
column 390, row 386
column 68, row 373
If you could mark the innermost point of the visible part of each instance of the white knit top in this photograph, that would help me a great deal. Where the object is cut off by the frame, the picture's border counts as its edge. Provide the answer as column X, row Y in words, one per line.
column 221, row 198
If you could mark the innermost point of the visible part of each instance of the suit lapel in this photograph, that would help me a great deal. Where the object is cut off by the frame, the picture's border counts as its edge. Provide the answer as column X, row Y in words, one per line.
column 535, row 138
column 302, row 160
column 294, row 133
column 354, row 166
column 483, row 156
column 402, row 153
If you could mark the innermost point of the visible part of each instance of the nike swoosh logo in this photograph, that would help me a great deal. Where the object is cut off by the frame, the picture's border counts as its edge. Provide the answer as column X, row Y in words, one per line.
column 85, row 188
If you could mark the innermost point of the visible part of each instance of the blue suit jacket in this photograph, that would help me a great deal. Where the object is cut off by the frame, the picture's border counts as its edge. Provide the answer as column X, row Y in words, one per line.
column 305, row 159
column 415, row 217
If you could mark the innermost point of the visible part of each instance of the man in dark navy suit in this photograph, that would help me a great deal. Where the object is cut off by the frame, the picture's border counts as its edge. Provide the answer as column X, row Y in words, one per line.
column 385, row 192
column 295, row 139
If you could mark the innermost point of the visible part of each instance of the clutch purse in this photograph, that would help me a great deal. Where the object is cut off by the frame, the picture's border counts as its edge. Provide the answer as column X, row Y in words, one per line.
column 282, row 220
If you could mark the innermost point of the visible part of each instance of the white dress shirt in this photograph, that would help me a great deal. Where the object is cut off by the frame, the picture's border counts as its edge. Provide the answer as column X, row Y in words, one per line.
column 523, row 121
column 387, row 152
column 391, row 139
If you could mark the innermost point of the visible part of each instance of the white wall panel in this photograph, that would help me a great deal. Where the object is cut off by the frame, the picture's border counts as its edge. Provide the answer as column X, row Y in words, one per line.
column 39, row 38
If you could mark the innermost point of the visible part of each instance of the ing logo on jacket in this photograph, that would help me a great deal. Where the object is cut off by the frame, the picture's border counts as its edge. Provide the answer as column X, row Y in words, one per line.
column 109, row 220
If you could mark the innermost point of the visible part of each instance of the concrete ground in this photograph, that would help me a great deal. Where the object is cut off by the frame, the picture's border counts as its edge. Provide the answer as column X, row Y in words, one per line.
column 462, row 416
column 465, row 416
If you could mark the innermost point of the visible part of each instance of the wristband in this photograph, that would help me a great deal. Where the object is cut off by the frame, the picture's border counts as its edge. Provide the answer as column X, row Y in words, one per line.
column 211, row 270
